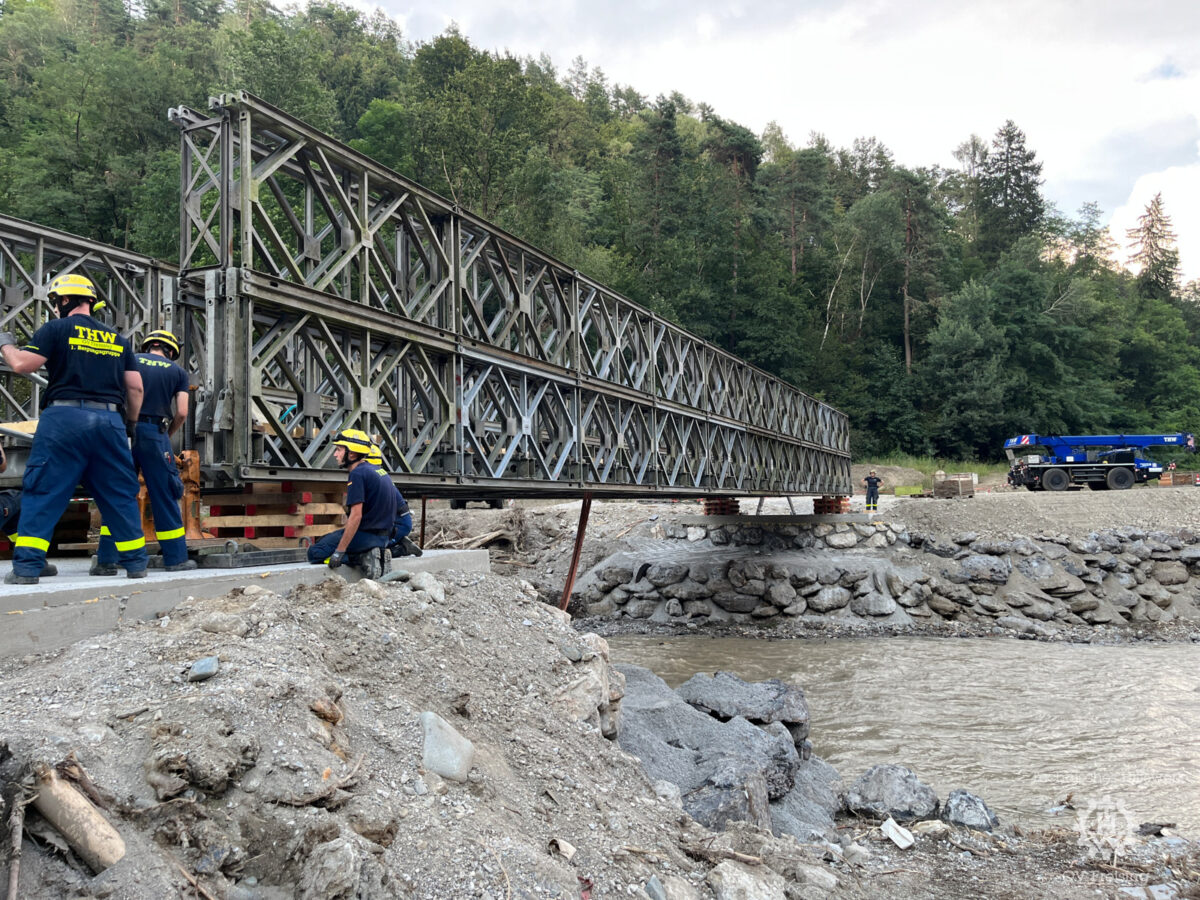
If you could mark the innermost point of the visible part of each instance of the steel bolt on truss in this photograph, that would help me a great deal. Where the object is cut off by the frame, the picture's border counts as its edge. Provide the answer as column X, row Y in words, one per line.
column 331, row 292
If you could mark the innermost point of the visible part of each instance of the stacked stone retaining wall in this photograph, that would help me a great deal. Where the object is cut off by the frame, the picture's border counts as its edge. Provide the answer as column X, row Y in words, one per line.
column 778, row 568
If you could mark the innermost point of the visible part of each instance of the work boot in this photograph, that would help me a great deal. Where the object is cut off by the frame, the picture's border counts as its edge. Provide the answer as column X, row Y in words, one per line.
column 410, row 548
column 98, row 568
column 186, row 566
column 13, row 578
column 48, row 570
column 140, row 573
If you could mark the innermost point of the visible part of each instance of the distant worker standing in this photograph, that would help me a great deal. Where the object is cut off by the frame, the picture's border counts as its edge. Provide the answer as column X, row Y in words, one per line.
column 873, row 483
column 166, row 384
column 399, row 545
column 81, row 436
column 370, row 504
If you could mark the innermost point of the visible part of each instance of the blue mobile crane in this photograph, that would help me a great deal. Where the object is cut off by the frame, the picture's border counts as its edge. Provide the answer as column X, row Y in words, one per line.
column 1100, row 461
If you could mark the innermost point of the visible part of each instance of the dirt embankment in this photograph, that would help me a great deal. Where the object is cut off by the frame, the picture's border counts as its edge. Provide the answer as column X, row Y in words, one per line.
column 298, row 770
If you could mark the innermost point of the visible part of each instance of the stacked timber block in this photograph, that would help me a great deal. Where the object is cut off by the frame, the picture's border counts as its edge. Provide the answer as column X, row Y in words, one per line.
column 831, row 506
column 954, row 487
column 286, row 510
column 1177, row 479
column 720, row 506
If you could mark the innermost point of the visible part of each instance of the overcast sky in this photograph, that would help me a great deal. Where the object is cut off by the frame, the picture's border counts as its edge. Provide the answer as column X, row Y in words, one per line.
column 1107, row 92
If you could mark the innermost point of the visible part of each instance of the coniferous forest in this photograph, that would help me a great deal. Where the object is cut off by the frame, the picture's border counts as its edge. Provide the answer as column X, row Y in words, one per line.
column 943, row 309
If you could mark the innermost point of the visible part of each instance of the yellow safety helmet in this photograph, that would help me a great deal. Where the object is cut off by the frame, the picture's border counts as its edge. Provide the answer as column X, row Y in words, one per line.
column 71, row 285
column 376, row 456
column 165, row 338
column 354, row 440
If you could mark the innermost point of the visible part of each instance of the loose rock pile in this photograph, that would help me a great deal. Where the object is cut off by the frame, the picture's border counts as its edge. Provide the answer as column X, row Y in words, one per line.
column 732, row 751
column 881, row 573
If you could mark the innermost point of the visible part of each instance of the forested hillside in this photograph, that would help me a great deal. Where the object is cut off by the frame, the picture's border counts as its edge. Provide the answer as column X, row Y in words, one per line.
column 943, row 310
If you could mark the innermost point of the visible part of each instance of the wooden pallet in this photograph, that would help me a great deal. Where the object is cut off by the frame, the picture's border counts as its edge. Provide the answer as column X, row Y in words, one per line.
column 720, row 506
column 831, row 506
column 278, row 511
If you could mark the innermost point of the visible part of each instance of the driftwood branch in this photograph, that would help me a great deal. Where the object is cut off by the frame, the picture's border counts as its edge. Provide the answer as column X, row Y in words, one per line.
column 16, row 829
column 709, row 853
column 471, row 543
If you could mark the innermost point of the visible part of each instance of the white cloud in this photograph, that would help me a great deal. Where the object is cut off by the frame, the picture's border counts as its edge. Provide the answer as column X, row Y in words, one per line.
column 1180, row 187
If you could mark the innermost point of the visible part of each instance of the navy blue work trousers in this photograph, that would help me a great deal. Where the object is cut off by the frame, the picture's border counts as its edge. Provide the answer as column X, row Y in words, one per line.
column 72, row 446
column 154, row 459
column 401, row 529
column 321, row 549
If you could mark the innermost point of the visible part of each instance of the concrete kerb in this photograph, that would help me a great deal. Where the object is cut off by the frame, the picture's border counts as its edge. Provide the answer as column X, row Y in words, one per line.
column 73, row 606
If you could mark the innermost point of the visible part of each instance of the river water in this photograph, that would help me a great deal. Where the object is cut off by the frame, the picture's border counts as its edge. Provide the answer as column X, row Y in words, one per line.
column 1023, row 724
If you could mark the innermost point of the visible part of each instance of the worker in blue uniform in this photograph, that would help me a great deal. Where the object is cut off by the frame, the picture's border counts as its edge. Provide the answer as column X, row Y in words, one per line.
column 166, row 385
column 370, row 504
column 399, row 544
column 82, row 437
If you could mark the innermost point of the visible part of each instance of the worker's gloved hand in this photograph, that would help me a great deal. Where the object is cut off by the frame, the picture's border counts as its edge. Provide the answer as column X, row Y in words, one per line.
column 131, row 433
column 6, row 338
column 336, row 558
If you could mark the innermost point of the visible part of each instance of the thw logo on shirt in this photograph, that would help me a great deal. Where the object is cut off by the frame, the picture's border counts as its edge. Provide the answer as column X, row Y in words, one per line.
column 94, row 340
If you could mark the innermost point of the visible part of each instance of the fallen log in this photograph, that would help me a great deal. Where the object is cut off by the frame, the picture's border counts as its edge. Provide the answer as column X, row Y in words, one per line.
column 86, row 830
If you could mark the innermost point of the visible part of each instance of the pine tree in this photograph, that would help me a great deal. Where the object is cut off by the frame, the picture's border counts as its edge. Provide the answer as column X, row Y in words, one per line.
column 1010, row 196
column 1153, row 245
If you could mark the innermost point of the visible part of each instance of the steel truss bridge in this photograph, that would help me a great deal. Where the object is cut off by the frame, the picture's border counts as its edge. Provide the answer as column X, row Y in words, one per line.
column 318, row 290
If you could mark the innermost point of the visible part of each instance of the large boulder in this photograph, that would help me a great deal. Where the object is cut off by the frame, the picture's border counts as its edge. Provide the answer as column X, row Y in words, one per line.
column 807, row 811
column 872, row 604
column 734, row 790
column 737, row 881
column 979, row 567
column 828, row 599
column 963, row 808
column 890, row 790
column 724, row 695
column 723, row 769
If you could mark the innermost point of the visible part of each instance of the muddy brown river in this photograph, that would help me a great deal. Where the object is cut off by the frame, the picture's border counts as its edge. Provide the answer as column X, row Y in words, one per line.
column 1020, row 723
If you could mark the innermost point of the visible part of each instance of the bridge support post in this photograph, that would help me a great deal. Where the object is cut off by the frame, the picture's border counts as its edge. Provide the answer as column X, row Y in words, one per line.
column 584, row 511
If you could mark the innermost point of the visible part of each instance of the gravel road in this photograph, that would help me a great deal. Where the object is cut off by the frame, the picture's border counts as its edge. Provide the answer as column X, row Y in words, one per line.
column 1075, row 513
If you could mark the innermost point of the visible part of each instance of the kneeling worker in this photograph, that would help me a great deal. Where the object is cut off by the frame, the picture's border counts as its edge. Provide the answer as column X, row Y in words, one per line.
column 81, row 438
column 165, row 382
column 370, row 504
column 398, row 544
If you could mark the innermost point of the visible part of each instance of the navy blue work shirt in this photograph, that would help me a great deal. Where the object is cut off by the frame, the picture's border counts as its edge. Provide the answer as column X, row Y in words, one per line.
column 162, row 380
column 375, row 491
column 86, row 360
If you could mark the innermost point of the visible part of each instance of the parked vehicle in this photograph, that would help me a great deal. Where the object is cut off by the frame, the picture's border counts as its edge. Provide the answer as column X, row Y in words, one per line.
column 1100, row 461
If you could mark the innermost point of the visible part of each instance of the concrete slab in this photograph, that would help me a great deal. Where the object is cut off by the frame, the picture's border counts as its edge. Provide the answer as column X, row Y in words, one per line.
column 72, row 605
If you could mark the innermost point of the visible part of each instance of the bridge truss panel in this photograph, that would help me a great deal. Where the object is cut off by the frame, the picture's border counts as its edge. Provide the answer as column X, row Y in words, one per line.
column 138, row 293
column 333, row 293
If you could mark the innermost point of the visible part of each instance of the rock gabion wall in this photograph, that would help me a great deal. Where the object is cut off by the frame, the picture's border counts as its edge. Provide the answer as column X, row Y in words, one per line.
column 880, row 572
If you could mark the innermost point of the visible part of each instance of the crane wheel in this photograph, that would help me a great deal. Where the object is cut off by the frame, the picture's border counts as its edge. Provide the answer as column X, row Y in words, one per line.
column 1056, row 479
column 1120, row 479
